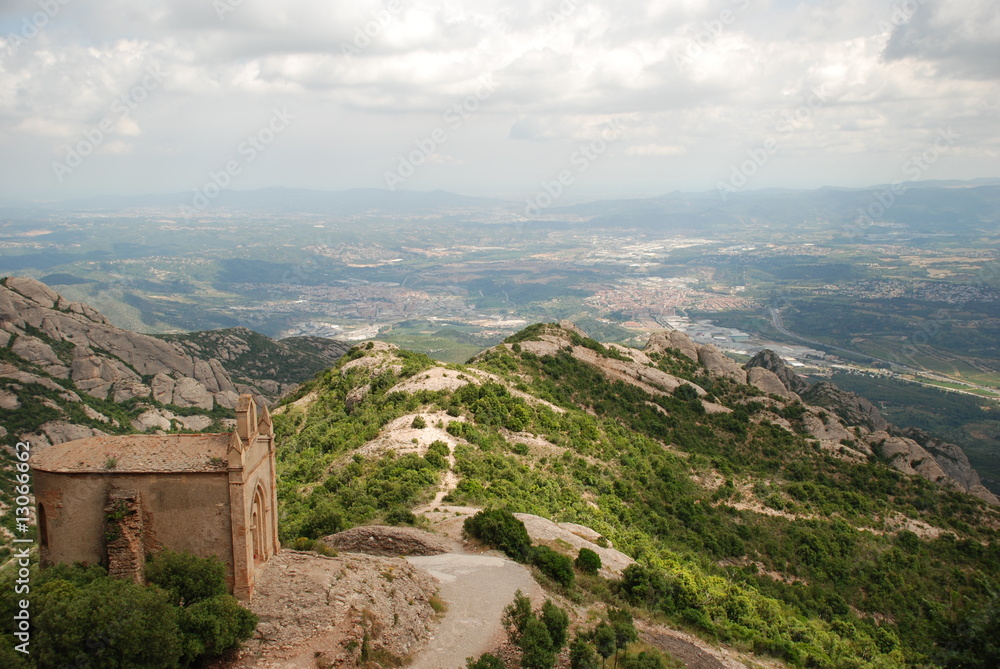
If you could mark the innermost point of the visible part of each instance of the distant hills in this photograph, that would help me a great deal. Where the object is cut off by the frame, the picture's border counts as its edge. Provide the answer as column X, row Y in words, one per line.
column 279, row 200
column 920, row 203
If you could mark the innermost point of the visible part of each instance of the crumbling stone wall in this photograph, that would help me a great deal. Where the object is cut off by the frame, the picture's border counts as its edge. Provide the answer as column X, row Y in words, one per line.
column 124, row 535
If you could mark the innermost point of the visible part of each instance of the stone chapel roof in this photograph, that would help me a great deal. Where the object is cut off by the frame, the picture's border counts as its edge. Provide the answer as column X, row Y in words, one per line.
column 136, row 454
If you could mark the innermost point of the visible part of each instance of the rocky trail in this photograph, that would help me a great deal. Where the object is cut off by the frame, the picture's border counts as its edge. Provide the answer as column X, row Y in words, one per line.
column 475, row 588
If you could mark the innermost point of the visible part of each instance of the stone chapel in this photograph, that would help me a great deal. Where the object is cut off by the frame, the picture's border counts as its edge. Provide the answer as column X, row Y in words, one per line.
column 116, row 500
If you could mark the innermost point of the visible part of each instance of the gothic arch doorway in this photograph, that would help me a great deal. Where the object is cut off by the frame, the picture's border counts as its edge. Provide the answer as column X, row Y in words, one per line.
column 258, row 526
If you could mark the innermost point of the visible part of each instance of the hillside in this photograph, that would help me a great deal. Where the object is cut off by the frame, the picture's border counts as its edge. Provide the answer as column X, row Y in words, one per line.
column 67, row 373
column 273, row 367
column 813, row 535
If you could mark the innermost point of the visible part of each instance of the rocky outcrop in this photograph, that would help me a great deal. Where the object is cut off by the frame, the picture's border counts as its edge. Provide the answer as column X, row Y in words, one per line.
column 952, row 460
column 851, row 408
column 154, row 419
column 672, row 339
column 719, row 363
column 389, row 541
column 101, row 360
column 766, row 380
column 909, row 457
column 771, row 361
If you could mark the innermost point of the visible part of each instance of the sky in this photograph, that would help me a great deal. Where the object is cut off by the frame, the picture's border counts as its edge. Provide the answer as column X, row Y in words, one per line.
column 584, row 98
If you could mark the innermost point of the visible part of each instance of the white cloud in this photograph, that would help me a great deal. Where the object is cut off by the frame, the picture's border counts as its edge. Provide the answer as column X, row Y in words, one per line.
column 692, row 83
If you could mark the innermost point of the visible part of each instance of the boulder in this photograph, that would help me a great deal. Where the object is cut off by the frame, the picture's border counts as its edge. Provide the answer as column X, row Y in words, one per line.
column 162, row 387
column 195, row 423
column 227, row 399
column 672, row 339
column 191, row 393
column 59, row 431
column 35, row 351
column 572, row 327
column 36, row 291
column 127, row 389
column 8, row 400
column 850, row 407
column 768, row 359
column 910, row 457
column 766, row 380
column 717, row 362
column 154, row 419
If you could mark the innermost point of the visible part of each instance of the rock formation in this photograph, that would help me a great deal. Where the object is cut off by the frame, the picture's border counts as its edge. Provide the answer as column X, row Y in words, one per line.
column 836, row 417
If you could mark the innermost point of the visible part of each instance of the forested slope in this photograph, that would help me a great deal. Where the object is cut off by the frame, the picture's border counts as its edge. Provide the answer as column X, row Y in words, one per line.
column 757, row 520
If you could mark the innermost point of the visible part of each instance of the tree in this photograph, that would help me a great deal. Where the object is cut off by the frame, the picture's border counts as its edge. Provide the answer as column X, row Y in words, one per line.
column 516, row 616
column 604, row 641
column 553, row 564
column 644, row 660
column 581, row 654
column 187, row 578
column 556, row 621
column 624, row 629
column 588, row 561
column 536, row 646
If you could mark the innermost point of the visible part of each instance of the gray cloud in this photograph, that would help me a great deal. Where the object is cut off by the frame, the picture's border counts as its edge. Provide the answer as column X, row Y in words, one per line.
column 961, row 39
column 695, row 84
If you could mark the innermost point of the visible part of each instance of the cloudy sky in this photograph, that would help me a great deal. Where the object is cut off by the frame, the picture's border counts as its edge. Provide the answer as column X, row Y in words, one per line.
column 494, row 98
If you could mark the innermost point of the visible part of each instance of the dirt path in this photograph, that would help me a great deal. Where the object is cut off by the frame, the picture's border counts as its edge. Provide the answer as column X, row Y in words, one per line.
column 687, row 649
column 476, row 589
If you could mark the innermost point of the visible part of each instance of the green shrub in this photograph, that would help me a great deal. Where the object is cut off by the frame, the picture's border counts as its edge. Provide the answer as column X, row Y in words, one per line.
column 685, row 392
column 109, row 623
column 588, row 561
column 485, row 661
column 214, row 625
column 555, row 565
column 500, row 529
column 187, row 578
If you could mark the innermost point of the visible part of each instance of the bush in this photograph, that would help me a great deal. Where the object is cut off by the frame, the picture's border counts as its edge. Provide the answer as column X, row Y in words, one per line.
column 500, row 529
column 485, row 661
column 588, row 561
column 685, row 392
column 555, row 565
column 106, row 623
column 215, row 625
column 187, row 578
column 324, row 519
column 418, row 423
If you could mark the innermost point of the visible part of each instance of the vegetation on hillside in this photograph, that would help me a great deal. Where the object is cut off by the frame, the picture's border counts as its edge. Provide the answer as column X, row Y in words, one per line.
column 744, row 531
column 82, row 617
